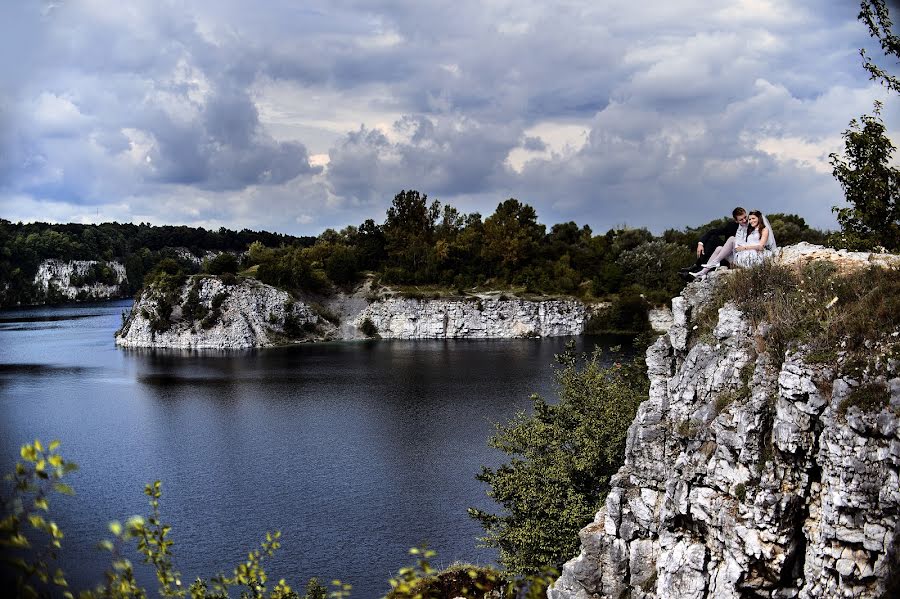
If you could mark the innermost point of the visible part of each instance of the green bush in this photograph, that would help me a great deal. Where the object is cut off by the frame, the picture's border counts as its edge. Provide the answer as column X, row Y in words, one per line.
column 341, row 265
column 193, row 309
column 215, row 310
column 368, row 328
column 563, row 456
column 35, row 480
column 654, row 265
column 868, row 397
column 221, row 264
column 293, row 327
column 422, row 581
column 99, row 272
column 628, row 313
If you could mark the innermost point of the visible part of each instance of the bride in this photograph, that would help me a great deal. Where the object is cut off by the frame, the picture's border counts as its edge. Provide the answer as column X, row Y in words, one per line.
column 757, row 245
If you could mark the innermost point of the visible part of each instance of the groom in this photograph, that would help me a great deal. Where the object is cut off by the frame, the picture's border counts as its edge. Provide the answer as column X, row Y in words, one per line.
column 714, row 238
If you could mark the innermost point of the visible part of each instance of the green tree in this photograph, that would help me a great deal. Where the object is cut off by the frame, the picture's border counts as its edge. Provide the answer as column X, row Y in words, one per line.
column 654, row 265
column 370, row 245
column 511, row 237
column 874, row 13
column 341, row 265
column 291, row 268
column 409, row 232
column 563, row 456
column 871, row 186
column 791, row 228
column 221, row 264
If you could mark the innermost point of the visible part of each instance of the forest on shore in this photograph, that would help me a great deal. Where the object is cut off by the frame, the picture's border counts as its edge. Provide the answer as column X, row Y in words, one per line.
column 421, row 243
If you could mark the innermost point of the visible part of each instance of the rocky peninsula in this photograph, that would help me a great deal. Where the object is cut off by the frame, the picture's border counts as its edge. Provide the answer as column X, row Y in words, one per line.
column 205, row 312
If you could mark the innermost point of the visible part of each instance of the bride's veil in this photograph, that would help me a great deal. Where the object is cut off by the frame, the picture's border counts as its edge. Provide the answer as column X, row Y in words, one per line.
column 771, row 244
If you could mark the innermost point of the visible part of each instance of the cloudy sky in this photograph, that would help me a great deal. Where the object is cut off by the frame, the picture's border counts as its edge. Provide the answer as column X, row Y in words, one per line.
column 297, row 115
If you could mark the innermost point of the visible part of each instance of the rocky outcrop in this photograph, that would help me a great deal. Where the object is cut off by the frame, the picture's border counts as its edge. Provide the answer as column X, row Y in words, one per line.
column 206, row 313
column 661, row 319
column 80, row 280
column 473, row 318
column 183, row 254
column 804, row 252
column 744, row 477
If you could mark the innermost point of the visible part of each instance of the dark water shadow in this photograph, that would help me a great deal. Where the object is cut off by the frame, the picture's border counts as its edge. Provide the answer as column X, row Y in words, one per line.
column 52, row 318
column 43, row 370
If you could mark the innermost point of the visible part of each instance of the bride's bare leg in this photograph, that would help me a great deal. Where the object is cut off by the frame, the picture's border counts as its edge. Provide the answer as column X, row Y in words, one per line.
column 722, row 252
column 727, row 250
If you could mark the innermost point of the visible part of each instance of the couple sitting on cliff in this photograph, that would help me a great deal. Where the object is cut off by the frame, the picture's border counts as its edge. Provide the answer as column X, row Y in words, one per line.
column 748, row 241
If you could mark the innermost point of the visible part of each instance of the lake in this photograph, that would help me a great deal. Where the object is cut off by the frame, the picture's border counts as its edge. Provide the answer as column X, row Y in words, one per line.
column 355, row 451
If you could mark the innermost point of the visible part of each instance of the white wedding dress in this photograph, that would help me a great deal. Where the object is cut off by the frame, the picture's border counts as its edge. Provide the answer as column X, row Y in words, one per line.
column 749, row 257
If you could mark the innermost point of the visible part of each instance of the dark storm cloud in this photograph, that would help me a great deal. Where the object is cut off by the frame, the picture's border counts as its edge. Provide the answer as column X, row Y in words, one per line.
column 653, row 113
column 143, row 99
column 446, row 156
column 677, row 121
column 223, row 148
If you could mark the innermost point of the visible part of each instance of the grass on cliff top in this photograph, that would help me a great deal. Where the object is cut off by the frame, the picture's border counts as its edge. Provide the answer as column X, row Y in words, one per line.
column 850, row 320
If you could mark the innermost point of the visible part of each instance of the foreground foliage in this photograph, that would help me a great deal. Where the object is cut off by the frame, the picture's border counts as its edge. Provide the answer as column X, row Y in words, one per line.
column 563, row 456
column 30, row 545
column 871, row 187
column 871, row 184
column 422, row 581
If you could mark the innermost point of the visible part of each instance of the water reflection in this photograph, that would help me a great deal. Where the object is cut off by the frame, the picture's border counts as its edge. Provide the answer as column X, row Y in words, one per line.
column 356, row 451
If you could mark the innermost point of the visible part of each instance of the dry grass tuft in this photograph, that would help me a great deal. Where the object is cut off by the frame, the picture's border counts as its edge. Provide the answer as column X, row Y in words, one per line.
column 848, row 320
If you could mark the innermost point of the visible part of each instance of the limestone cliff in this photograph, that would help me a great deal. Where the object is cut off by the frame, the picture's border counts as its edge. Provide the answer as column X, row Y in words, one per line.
column 474, row 318
column 79, row 280
column 747, row 475
column 252, row 314
column 207, row 313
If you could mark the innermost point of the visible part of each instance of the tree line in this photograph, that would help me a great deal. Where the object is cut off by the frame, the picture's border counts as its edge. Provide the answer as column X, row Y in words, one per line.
column 420, row 242
column 140, row 247
column 425, row 243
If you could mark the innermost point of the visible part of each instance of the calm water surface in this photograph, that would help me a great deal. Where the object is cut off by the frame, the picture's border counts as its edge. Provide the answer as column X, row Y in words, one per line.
column 356, row 451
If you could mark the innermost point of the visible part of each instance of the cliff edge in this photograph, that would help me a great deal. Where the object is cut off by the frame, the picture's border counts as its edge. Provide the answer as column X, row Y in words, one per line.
column 748, row 473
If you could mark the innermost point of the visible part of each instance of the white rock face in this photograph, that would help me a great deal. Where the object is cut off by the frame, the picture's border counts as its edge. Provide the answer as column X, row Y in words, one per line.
column 744, row 488
column 251, row 314
column 661, row 319
column 804, row 252
column 54, row 277
column 473, row 319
